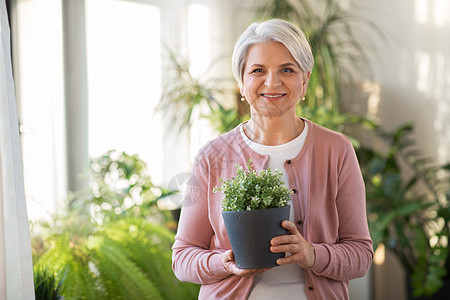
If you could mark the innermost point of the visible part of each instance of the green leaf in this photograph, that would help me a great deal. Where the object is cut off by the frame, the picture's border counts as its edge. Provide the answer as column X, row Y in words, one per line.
column 250, row 190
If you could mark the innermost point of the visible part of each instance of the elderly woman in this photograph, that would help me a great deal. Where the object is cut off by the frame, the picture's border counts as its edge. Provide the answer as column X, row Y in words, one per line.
column 328, row 242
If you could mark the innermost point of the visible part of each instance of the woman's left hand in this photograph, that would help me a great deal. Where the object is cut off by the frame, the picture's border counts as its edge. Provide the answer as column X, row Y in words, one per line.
column 303, row 252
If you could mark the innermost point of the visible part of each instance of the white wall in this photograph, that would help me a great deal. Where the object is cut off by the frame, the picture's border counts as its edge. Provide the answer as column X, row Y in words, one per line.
column 414, row 69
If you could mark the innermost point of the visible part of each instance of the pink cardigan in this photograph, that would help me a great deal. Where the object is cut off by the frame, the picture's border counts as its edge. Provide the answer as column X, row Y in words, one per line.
column 329, row 210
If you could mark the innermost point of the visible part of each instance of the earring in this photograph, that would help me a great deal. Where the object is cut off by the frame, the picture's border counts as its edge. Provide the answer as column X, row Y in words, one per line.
column 303, row 98
column 242, row 98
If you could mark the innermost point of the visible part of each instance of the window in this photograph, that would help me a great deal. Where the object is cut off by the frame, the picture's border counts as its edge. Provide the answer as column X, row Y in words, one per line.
column 124, row 72
column 124, row 79
column 38, row 70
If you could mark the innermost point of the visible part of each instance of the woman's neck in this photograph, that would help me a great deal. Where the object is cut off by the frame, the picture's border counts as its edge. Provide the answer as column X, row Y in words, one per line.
column 273, row 131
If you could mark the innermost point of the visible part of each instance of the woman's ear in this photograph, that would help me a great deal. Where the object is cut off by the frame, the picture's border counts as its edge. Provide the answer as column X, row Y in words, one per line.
column 306, row 78
column 307, row 74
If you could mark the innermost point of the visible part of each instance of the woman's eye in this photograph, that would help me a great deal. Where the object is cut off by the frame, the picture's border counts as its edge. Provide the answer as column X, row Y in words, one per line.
column 287, row 70
column 257, row 71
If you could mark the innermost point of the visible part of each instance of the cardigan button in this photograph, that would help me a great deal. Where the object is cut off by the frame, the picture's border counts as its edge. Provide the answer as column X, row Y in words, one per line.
column 311, row 288
column 288, row 161
column 299, row 222
column 294, row 191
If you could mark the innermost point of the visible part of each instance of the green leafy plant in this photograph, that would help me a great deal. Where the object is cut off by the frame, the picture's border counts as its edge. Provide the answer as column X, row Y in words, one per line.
column 106, row 250
column 408, row 204
column 186, row 96
column 250, row 190
column 184, row 93
column 224, row 119
column 120, row 185
column 124, row 259
column 47, row 286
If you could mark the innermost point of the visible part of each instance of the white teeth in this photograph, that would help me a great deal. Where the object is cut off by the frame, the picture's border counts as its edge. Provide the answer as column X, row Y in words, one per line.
column 272, row 96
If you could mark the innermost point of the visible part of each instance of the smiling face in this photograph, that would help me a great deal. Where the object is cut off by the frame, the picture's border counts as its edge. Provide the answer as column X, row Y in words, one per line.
column 273, row 82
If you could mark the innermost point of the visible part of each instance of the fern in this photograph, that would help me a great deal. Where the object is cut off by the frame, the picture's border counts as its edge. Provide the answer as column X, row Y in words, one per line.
column 128, row 259
column 143, row 240
column 117, row 268
column 80, row 282
column 105, row 256
column 70, row 260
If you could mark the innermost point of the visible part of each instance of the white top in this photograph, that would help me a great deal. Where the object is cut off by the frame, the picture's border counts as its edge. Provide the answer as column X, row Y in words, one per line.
column 287, row 281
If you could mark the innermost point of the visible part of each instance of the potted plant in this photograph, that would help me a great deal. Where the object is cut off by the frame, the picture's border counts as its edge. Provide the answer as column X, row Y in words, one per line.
column 254, row 206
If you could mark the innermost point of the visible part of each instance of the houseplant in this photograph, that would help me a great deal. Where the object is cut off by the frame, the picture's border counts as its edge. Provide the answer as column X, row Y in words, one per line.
column 254, row 206
column 408, row 206
column 183, row 94
column 120, row 184
column 112, row 242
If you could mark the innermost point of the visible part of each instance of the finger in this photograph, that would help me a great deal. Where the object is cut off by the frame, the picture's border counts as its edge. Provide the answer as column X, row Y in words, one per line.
column 284, row 239
column 289, row 226
column 292, row 248
column 285, row 261
column 229, row 255
column 305, row 258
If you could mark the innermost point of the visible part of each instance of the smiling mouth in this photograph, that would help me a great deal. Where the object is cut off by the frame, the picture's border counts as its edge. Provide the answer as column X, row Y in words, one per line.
column 271, row 96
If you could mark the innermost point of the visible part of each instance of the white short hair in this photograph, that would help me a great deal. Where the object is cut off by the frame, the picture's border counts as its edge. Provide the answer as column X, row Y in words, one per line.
column 277, row 30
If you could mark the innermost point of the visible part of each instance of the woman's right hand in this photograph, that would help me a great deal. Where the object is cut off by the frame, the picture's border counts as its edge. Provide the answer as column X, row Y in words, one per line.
column 230, row 265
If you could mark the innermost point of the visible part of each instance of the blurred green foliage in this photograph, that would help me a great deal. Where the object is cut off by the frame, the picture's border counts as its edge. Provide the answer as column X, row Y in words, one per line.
column 113, row 242
column 408, row 204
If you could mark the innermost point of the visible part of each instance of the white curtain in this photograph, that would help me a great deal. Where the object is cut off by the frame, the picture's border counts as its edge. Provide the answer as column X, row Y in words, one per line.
column 16, row 267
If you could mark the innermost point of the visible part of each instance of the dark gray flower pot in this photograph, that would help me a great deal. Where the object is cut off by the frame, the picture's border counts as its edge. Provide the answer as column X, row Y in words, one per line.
column 250, row 233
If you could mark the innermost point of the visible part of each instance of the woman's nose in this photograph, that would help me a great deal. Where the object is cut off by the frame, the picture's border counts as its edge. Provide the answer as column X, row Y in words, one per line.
column 272, row 80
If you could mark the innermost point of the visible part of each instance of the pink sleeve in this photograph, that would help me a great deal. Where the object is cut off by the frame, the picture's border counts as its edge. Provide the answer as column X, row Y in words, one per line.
column 192, row 259
column 351, row 257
